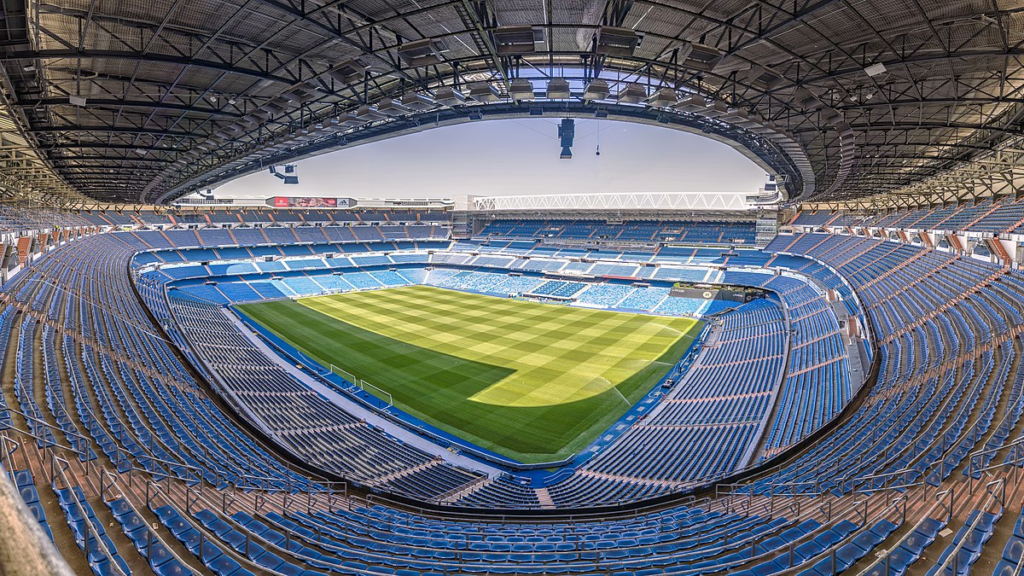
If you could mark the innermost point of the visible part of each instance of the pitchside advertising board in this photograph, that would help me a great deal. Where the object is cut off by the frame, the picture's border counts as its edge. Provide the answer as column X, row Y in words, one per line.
column 310, row 202
column 709, row 293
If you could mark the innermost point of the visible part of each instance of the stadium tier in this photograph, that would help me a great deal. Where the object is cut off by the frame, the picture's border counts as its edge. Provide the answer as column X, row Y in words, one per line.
column 161, row 417
column 626, row 231
column 1005, row 216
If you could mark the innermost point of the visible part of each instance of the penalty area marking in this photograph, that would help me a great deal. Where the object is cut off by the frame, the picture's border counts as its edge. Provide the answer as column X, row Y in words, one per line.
column 616, row 388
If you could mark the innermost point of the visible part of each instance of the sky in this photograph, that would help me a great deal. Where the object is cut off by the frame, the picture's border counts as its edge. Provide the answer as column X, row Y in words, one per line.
column 512, row 157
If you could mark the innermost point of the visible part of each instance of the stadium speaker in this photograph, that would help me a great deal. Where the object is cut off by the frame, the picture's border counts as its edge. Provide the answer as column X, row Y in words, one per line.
column 566, row 134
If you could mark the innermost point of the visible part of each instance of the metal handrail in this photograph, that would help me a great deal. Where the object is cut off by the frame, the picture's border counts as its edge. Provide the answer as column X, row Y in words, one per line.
column 59, row 468
column 109, row 481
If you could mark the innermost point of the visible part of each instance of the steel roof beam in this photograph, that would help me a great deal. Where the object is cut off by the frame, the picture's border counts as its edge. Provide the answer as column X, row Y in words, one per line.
column 155, row 58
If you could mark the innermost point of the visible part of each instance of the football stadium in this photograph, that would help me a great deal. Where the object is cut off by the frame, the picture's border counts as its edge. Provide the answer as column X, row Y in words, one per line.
column 818, row 375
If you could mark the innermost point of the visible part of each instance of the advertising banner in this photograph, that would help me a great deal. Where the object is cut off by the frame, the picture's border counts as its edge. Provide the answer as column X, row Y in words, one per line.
column 310, row 202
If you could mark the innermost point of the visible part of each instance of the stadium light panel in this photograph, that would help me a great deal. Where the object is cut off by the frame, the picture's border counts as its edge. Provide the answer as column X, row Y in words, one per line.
column 617, row 42
column 368, row 113
column 691, row 104
column 346, row 121
column 483, row 92
column 632, row 94
column 391, row 107
column 448, row 96
column 417, row 101
column 875, row 69
column 424, row 52
column 596, row 90
column 663, row 98
column 521, row 89
column 347, row 72
column 517, row 40
column 714, row 110
column 558, row 89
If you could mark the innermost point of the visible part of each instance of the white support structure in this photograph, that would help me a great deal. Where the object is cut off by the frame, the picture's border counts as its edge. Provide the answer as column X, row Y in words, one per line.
column 617, row 201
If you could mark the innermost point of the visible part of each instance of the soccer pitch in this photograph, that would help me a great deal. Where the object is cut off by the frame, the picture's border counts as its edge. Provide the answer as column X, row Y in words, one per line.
column 534, row 382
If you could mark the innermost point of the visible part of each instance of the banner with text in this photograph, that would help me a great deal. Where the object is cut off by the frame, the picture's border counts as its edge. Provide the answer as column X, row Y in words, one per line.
column 310, row 202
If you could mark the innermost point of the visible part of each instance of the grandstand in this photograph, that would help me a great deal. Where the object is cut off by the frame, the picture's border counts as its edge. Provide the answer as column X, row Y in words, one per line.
column 770, row 397
column 823, row 376
column 868, row 370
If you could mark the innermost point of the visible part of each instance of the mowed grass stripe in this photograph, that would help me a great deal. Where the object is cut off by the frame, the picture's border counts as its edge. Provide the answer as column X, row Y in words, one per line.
column 549, row 341
column 552, row 338
column 554, row 333
column 531, row 381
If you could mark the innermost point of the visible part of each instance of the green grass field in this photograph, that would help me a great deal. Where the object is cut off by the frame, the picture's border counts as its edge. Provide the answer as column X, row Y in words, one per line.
column 534, row 382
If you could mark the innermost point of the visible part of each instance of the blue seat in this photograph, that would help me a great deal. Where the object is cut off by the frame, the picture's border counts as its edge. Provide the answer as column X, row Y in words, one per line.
column 289, row 569
column 845, row 528
column 867, row 540
column 808, row 550
column 883, row 528
column 848, row 555
column 172, row 568
column 23, row 478
column 268, row 560
column 1013, row 550
column 986, row 522
column 828, row 538
column 159, row 555
column 900, row 559
column 973, row 539
column 957, row 567
column 209, row 553
column 165, row 513
column 224, row 566
column 916, row 542
column 119, row 508
column 1004, row 568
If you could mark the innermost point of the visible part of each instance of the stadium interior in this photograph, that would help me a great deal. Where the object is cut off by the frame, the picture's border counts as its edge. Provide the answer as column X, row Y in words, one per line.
column 822, row 376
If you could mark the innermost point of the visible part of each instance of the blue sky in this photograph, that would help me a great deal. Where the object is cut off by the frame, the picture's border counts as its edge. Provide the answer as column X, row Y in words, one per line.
column 502, row 157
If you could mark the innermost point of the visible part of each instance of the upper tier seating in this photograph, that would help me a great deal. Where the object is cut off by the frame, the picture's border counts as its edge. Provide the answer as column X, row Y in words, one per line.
column 629, row 231
column 993, row 217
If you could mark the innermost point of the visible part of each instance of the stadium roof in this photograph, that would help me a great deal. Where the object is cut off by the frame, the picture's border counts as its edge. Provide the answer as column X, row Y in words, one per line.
column 142, row 101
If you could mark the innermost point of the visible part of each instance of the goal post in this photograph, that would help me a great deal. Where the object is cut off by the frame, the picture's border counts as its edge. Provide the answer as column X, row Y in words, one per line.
column 384, row 395
column 344, row 374
column 391, row 401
